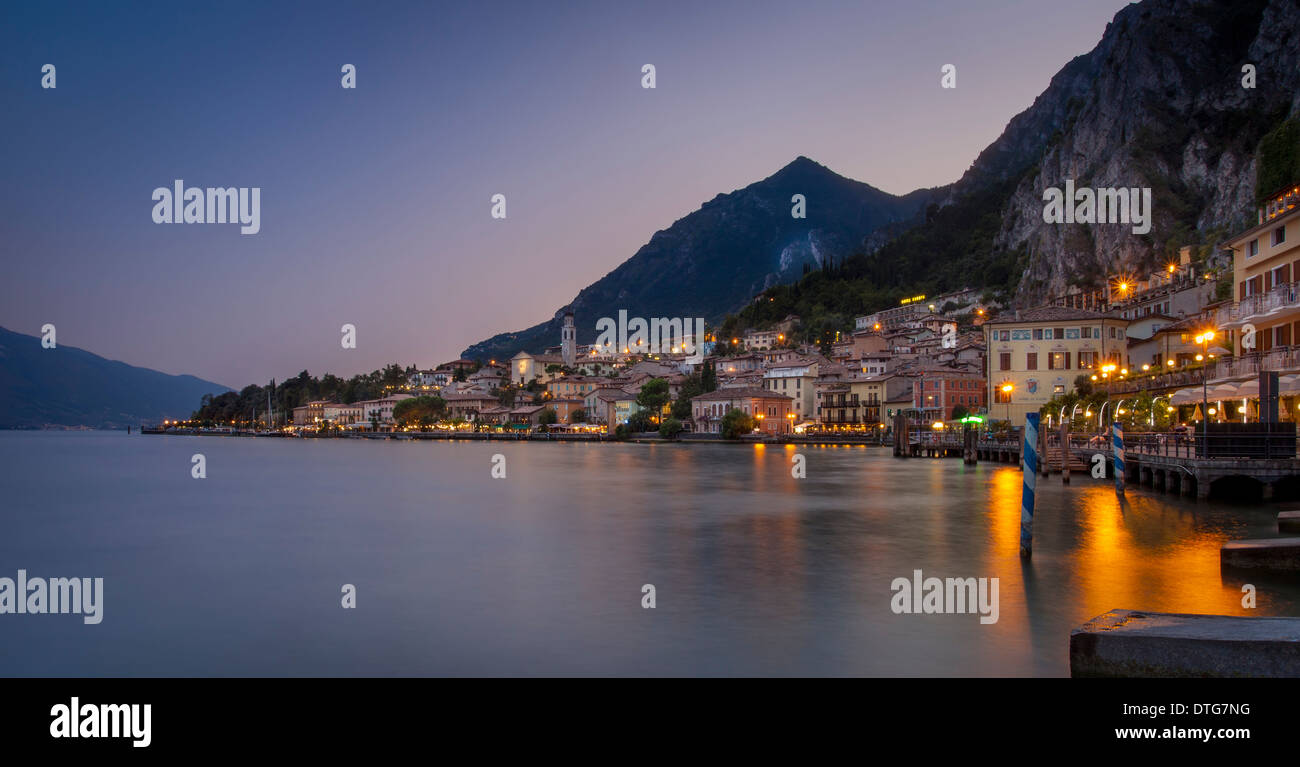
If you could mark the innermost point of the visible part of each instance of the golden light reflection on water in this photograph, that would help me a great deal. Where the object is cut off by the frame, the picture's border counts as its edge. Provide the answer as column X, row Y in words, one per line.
column 1004, row 511
column 801, row 557
column 1138, row 552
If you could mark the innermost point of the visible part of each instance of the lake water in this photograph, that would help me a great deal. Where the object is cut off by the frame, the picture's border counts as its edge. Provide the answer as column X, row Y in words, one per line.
column 456, row 573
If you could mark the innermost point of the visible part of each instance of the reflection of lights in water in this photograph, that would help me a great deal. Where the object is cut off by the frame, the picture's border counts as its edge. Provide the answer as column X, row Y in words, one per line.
column 1008, row 483
column 1147, row 555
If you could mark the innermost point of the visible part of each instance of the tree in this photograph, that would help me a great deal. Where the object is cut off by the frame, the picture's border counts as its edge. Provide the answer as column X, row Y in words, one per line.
column 959, row 412
column 693, row 386
column 547, row 417
column 578, row 416
column 708, row 378
column 1083, row 385
column 654, row 395
column 641, row 421
column 736, row 424
column 670, row 428
column 420, row 411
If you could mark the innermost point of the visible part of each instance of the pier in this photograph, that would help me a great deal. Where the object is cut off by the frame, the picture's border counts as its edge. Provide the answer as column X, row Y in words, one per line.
column 1186, row 463
column 1130, row 643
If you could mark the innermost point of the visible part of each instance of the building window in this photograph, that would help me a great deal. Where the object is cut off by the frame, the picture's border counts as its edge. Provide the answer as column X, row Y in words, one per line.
column 1038, row 334
column 1252, row 248
column 1279, row 235
column 1031, row 361
column 1004, row 361
column 1001, row 397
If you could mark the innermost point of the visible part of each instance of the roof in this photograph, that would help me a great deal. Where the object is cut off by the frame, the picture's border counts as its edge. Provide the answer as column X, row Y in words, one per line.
column 1256, row 229
column 1051, row 314
column 466, row 396
column 613, row 395
column 540, row 357
column 740, row 393
column 905, row 396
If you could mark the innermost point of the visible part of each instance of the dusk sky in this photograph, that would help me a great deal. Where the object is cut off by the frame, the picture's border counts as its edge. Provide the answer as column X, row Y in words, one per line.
column 375, row 201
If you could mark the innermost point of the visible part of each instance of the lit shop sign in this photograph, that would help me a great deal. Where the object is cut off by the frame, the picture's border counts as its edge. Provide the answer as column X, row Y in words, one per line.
column 972, row 419
column 911, row 300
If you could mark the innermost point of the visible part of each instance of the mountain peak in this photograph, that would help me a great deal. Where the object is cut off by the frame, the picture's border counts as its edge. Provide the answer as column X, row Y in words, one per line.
column 716, row 259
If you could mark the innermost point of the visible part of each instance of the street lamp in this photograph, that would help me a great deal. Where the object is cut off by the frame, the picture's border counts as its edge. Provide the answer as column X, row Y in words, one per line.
column 1204, row 340
column 1007, row 388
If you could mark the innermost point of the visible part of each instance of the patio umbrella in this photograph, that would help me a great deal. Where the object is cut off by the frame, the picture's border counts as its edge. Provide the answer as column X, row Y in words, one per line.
column 1198, row 415
column 1223, row 391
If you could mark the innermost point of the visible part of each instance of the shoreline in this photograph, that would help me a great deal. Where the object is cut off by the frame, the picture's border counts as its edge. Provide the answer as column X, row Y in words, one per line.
column 530, row 437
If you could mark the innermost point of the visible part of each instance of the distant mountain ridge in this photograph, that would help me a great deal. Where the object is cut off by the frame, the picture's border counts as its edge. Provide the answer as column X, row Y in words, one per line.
column 1158, row 103
column 716, row 259
column 66, row 386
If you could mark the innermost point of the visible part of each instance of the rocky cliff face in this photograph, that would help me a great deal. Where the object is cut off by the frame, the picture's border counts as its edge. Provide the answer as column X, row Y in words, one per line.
column 1159, row 103
column 718, row 258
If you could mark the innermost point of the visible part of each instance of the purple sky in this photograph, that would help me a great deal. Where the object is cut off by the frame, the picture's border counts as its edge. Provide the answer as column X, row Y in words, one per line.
column 375, row 201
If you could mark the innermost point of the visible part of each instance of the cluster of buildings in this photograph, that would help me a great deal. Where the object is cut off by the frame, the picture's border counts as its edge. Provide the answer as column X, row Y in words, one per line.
column 930, row 359
column 1171, row 334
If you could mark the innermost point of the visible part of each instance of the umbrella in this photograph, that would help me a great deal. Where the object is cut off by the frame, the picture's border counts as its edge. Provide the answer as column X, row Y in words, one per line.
column 1223, row 391
column 1198, row 415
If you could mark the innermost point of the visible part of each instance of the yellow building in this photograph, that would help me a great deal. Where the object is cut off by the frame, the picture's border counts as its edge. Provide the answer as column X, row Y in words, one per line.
column 1037, row 354
column 1265, row 271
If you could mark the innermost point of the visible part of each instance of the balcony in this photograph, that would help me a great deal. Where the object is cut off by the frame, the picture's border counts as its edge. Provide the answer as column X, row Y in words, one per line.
column 1270, row 303
column 1283, row 359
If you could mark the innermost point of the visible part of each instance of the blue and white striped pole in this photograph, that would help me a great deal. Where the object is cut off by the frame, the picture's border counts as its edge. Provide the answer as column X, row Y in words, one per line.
column 1030, row 452
column 1117, row 445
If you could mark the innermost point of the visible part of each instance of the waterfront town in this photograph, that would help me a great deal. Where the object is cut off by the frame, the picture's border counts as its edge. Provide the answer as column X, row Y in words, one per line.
column 1168, row 351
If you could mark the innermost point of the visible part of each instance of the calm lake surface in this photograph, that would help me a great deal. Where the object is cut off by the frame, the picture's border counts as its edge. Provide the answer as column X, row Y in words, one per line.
column 755, row 572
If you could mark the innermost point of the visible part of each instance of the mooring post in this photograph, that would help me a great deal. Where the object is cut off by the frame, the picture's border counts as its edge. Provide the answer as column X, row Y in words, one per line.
column 1043, row 464
column 1117, row 445
column 1065, row 452
column 1030, row 452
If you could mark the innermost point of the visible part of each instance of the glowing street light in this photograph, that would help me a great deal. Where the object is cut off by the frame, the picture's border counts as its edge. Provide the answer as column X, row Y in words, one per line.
column 1204, row 338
